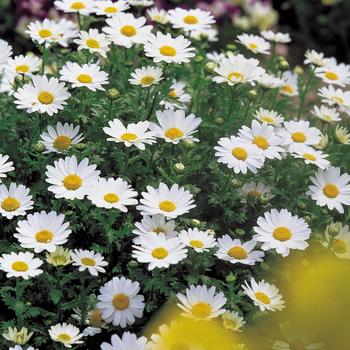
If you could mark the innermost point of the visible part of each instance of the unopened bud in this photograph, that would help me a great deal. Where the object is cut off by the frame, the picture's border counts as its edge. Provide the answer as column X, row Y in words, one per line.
column 113, row 94
column 39, row 147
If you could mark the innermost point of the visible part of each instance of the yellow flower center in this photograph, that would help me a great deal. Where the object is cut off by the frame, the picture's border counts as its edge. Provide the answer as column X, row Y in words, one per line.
column 262, row 297
column 128, row 30
column 201, row 310
column 64, row 338
column 92, row 43
column 167, row 51
column 240, row 153
column 309, row 156
column 331, row 190
column 72, row 182
column 282, row 233
column 160, row 253
column 147, row 80
column 45, row 97
column 10, row 204
column 120, row 301
column 44, row 33
column 77, row 5
column 331, row 76
column 111, row 198
column 253, row 46
column 238, row 253
column 339, row 246
column 167, row 206
column 128, row 136
column 298, row 137
column 44, row 236
column 196, row 243
column 84, row 78
column 22, row 68
column 95, row 318
column 267, row 119
column 88, row 261
column 174, row 133
column 288, row 89
column 327, row 117
column 190, row 19
column 62, row 142
column 261, row 142
column 296, row 344
column 172, row 94
column 111, row 9
column 234, row 76
column 254, row 193
column 20, row 266
column 158, row 230
column 337, row 99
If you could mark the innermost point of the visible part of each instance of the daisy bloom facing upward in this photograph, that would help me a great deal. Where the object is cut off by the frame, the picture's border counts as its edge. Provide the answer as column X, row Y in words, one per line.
column 337, row 239
column 282, row 231
column 165, row 48
column 264, row 295
column 159, row 251
column 15, row 200
column 65, row 334
column 268, row 117
column 200, row 241
column 112, row 193
column 128, row 341
column 25, row 65
column 330, row 188
column 270, row 81
column 83, row 7
column 146, row 76
column 158, row 15
column 133, row 135
column 88, row 260
column 43, row 33
column 175, row 126
column 201, row 302
column 333, row 73
column 177, row 97
column 87, row 75
column 20, row 265
column 326, row 114
column 255, row 190
column 43, row 95
column 290, row 84
column 170, row 202
column 110, row 8
column 70, row 179
column 43, row 231
column 5, row 166
column 93, row 41
column 239, row 155
column 333, row 96
column 254, row 43
column 60, row 138
column 233, row 321
column 120, row 302
column 234, row 251
column 311, row 156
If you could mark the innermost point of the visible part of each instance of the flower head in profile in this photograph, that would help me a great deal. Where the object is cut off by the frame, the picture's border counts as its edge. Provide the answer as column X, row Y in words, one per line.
column 88, row 260
column 17, row 336
column 5, row 53
column 126, row 341
column 254, row 43
column 66, row 334
column 146, row 76
column 110, row 8
column 177, row 97
column 278, row 37
column 158, row 15
column 5, row 166
column 290, row 84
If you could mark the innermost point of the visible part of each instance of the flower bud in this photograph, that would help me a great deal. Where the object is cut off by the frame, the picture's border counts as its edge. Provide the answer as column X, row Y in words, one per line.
column 301, row 204
column 239, row 232
column 264, row 199
column 195, row 222
column 179, row 167
column 298, row 70
column 133, row 264
column 113, row 94
column 189, row 144
column 283, row 65
column 199, row 59
column 80, row 146
column 230, row 278
column 219, row 120
column 39, row 147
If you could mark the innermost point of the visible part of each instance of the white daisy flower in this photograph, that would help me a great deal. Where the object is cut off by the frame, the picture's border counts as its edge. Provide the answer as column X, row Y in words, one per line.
column 126, row 30
column 326, row 114
column 154, row 224
column 141, row 3
column 296, row 133
column 177, row 97
column 190, row 20
column 43, row 231
column 83, row 7
column 339, row 243
column 165, row 48
column 210, row 34
column 311, row 156
column 282, row 38
column 20, row 265
column 239, row 155
column 215, row 56
column 109, row 8
column 7, row 82
column 200, row 241
column 5, row 53
column 282, row 231
column 234, row 251
column 255, row 190
column 88, row 260
column 88, row 75
column 264, row 295
column 93, row 41
column 236, row 69
column 330, row 188
column 25, row 65
column 201, row 303
column 290, row 85
column 15, row 200
column 263, row 136
column 70, row 179
column 268, row 116
column 233, row 321
column 120, row 302
column 5, row 166
column 60, row 138
column 175, row 126
column 315, row 58
column 65, row 334
column 158, row 15
column 43, row 95
column 132, row 135
column 112, row 193
column 269, row 81
column 18, row 347
column 333, row 73
column 333, row 96
column 44, row 32
column 159, row 251
column 67, row 30
column 254, row 43
column 170, row 202
column 146, row 76
column 128, row 341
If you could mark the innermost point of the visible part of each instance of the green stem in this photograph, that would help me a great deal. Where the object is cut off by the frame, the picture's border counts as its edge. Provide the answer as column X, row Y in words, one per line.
column 303, row 94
